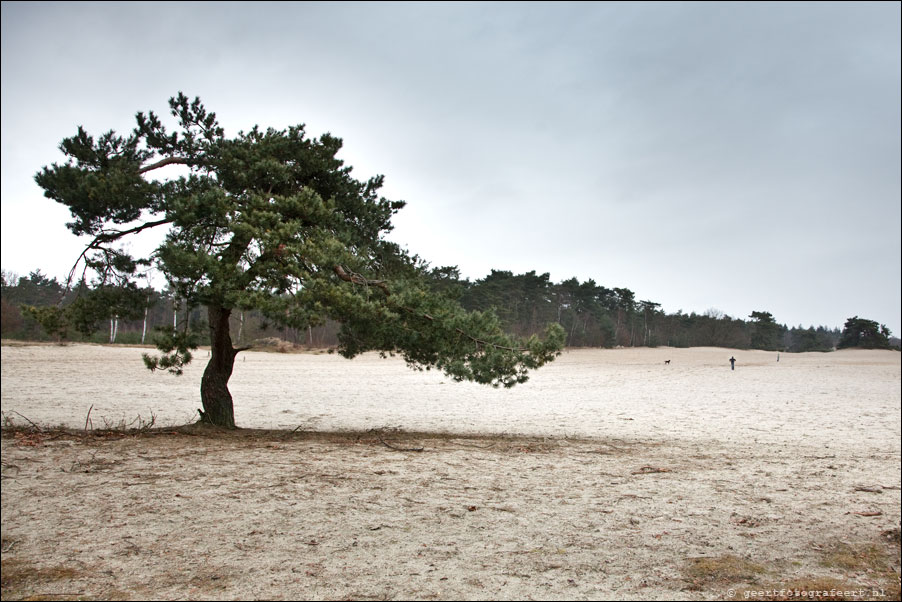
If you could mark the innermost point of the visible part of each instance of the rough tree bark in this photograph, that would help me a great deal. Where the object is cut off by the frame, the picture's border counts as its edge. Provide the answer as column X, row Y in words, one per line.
column 214, row 386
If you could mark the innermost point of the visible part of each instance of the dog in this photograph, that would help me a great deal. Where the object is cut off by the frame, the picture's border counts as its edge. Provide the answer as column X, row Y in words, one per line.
column 666, row 362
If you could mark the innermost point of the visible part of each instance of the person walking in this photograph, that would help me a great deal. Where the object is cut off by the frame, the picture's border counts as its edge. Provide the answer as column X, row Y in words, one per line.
column 732, row 363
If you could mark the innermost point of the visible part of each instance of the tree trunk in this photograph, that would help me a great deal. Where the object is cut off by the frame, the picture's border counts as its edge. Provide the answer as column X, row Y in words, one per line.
column 214, row 386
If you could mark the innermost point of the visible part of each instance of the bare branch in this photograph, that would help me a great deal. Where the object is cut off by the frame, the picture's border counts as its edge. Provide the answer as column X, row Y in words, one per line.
column 163, row 163
column 106, row 237
column 111, row 235
column 358, row 279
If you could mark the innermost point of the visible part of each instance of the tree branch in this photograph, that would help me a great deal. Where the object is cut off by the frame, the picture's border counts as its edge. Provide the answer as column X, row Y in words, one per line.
column 358, row 279
column 476, row 340
column 112, row 235
column 107, row 237
column 163, row 163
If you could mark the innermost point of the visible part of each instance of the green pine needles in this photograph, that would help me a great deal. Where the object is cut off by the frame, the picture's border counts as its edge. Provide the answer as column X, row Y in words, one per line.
column 271, row 220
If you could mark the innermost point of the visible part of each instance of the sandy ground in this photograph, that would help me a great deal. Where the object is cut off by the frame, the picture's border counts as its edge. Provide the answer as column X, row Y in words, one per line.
column 608, row 475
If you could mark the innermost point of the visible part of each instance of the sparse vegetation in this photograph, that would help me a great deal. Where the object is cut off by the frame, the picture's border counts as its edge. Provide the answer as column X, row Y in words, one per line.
column 866, row 571
column 870, row 557
column 21, row 577
column 706, row 572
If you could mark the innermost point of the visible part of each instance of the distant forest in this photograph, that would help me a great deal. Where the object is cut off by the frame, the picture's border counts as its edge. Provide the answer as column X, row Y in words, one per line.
column 592, row 316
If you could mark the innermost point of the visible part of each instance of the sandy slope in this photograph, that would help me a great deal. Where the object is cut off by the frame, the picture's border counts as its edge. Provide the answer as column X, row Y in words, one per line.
column 627, row 470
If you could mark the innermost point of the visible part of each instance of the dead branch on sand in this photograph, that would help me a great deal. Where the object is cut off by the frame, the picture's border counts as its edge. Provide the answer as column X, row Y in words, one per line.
column 379, row 434
column 650, row 470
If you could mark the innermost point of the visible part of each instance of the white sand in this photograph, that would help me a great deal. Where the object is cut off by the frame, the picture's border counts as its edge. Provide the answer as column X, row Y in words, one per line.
column 845, row 399
column 765, row 462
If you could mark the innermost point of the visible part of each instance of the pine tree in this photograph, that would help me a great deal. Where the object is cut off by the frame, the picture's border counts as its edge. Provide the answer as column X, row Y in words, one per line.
column 270, row 220
column 868, row 334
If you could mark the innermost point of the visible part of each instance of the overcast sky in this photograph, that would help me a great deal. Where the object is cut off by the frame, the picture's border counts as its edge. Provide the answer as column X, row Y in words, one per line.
column 739, row 157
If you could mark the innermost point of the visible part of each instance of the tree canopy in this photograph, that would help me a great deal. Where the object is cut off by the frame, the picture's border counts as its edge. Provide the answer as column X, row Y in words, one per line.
column 269, row 220
column 765, row 331
column 868, row 334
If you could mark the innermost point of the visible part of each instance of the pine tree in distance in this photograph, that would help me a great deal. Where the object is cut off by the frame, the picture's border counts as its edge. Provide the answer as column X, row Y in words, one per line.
column 270, row 220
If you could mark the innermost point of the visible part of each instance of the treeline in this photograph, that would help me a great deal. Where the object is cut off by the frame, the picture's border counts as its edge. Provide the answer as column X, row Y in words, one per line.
column 597, row 316
column 592, row 316
column 158, row 309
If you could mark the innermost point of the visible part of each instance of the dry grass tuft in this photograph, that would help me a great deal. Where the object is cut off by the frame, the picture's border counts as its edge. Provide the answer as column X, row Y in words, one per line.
column 857, row 557
column 880, row 561
column 23, row 581
column 19, row 578
column 720, row 570
column 877, row 564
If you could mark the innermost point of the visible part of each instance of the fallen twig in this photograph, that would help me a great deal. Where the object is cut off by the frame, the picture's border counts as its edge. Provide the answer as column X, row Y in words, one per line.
column 870, row 489
column 650, row 470
column 29, row 420
column 293, row 431
column 378, row 433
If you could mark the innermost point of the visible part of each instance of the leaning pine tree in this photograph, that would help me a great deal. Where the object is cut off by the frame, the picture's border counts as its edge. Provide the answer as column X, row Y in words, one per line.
column 270, row 220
